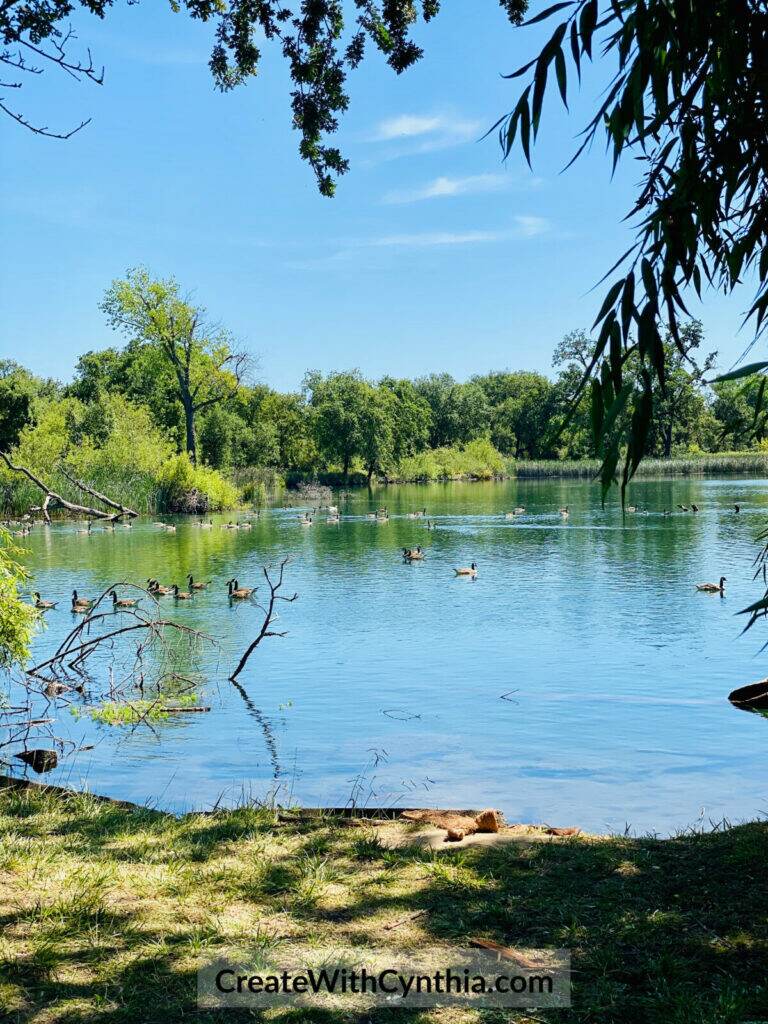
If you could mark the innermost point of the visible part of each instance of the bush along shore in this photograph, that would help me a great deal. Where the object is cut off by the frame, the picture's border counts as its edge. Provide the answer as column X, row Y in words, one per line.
column 108, row 909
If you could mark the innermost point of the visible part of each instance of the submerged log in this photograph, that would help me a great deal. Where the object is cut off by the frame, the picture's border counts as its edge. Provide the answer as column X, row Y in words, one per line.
column 753, row 697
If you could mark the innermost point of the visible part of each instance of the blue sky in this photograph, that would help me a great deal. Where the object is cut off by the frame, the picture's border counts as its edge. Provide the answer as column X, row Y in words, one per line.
column 434, row 255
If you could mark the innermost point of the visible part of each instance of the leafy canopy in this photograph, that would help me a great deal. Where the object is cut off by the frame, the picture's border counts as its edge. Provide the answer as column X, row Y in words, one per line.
column 318, row 43
column 686, row 97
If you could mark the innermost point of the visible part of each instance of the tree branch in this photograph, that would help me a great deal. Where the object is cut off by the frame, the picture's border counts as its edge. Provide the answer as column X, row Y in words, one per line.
column 269, row 617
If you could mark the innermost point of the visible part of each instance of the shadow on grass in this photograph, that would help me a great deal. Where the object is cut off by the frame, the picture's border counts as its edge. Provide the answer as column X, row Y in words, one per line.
column 109, row 910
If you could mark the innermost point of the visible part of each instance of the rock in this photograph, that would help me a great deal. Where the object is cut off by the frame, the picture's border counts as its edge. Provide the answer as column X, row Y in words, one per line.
column 39, row 760
column 563, row 831
column 454, row 835
column 488, row 821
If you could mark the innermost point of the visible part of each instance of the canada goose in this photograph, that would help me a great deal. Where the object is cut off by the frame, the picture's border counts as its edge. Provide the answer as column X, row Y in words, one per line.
column 370, row 515
column 180, row 595
column 471, row 571
column 87, row 529
column 333, row 510
column 713, row 588
column 694, row 508
column 509, row 515
column 683, row 508
column 431, row 525
column 564, row 511
column 154, row 588
column 127, row 526
column 666, row 512
column 237, row 592
column 333, row 520
column 207, row 526
column 170, row 529
column 196, row 586
column 80, row 604
column 160, row 525
column 246, row 526
column 307, row 521
column 631, row 508
column 43, row 605
column 737, row 508
column 519, row 511
column 413, row 554
column 123, row 602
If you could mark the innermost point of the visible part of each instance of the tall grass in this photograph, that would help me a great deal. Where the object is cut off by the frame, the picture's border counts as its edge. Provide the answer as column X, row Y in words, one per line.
column 720, row 464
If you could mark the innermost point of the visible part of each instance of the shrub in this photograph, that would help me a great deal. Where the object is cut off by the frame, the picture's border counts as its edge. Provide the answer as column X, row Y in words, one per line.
column 187, row 488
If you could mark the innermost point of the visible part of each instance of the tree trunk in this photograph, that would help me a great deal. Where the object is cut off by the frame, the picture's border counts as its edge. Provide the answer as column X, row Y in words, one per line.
column 668, row 440
column 371, row 470
column 346, row 469
column 189, row 422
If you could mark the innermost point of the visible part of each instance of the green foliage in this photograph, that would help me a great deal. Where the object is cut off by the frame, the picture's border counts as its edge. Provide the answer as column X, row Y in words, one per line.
column 186, row 487
column 476, row 460
column 683, row 95
column 459, row 412
column 17, row 618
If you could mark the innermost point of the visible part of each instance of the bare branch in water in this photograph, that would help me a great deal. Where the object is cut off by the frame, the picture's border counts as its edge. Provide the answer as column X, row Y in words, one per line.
column 269, row 616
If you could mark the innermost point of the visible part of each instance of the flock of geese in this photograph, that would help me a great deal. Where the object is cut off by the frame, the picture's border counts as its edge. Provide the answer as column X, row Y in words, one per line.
column 236, row 592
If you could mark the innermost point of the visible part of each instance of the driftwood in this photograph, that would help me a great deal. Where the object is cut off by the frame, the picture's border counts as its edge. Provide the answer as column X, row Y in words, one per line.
column 54, row 500
column 269, row 617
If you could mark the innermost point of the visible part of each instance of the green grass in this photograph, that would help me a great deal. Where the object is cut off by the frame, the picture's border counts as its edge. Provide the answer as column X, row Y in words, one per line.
column 106, row 911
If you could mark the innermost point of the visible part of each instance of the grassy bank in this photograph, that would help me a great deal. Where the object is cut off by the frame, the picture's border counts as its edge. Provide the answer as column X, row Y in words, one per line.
column 107, row 911
column 723, row 464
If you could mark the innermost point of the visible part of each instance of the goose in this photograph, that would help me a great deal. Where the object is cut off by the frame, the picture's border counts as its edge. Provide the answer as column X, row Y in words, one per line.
column 509, row 515
column 181, row 595
column 80, row 604
column 307, row 521
column 245, row 526
column 43, row 605
column 159, row 525
column 564, row 511
column 737, row 508
column 170, row 529
column 712, row 588
column 370, row 515
column 431, row 525
column 694, row 508
column 196, row 586
column 683, row 508
column 334, row 520
column 471, row 571
column 154, row 588
column 519, row 511
column 631, row 508
column 207, row 526
column 123, row 602
column 413, row 554
column 87, row 529
column 237, row 592
column 127, row 526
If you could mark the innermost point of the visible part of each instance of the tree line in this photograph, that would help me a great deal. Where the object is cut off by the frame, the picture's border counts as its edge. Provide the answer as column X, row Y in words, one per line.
column 178, row 388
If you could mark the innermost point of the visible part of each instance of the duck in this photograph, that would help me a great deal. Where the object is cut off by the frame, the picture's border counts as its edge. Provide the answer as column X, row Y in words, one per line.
column 471, row 571
column 43, row 605
column 80, row 604
column 123, row 602
column 413, row 554
column 154, row 588
column 196, row 586
column 181, row 595
column 712, row 588
column 237, row 592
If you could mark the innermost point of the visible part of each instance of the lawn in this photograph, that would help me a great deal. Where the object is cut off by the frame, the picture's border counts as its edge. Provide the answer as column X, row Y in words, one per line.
column 107, row 910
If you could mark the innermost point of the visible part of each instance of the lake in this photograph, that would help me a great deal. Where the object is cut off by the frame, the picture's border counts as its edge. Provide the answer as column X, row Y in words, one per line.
column 579, row 680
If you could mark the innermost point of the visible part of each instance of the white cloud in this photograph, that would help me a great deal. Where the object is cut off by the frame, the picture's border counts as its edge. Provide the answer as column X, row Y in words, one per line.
column 435, row 238
column 434, row 130
column 442, row 187
column 530, row 226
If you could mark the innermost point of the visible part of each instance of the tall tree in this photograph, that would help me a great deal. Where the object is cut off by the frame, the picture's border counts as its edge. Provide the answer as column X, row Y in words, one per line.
column 338, row 407
column 154, row 314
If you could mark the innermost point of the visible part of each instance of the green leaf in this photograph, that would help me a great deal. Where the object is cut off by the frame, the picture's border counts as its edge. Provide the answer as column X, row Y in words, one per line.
column 548, row 13
column 742, row 371
column 608, row 302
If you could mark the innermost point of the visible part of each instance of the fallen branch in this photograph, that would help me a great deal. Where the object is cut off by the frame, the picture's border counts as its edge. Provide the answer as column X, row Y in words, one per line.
column 54, row 498
column 269, row 617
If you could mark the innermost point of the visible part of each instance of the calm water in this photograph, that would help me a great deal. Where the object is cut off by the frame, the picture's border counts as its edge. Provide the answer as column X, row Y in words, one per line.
column 393, row 674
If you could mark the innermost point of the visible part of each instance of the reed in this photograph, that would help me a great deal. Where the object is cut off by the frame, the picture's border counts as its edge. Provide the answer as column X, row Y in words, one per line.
column 720, row 464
